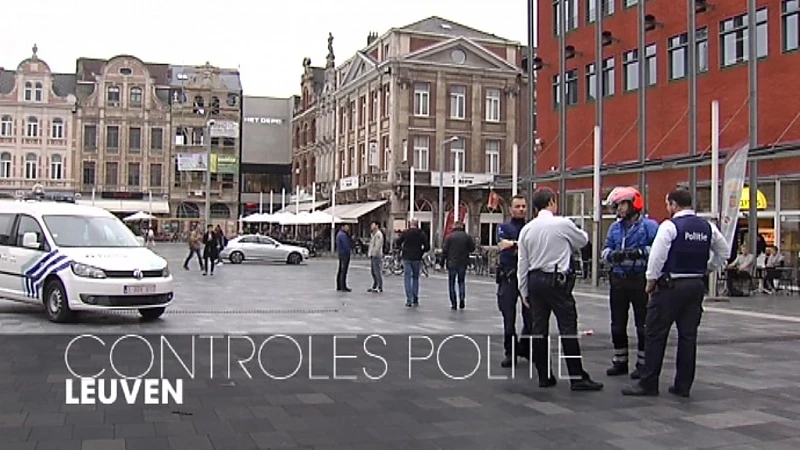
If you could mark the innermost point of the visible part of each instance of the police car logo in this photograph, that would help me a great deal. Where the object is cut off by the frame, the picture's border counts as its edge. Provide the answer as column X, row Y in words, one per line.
column 138, row 274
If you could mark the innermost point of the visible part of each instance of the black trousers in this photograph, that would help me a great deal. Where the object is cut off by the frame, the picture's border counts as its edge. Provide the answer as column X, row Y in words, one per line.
column 681, row 304
column 193, row 252
column 210, row 258
column 341, row 273
column 507, row 299
column 546, row 298
column 626, row 291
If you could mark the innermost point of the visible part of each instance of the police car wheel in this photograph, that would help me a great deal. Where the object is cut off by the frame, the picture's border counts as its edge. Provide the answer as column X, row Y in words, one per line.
column 236, row 257
column 294, row 258
column 55, row 302
column 151, row 313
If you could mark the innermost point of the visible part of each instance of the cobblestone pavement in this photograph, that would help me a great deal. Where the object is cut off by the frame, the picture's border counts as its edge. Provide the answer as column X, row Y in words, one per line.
column 746, row 394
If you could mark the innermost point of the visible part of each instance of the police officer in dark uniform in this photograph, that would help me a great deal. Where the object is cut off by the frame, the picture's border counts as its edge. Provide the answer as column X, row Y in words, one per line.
column 678, row 263
column 627, row 247
column 507, row 291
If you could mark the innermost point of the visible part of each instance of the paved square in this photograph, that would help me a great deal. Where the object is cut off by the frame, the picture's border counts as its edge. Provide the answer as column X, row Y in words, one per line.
column 746, row 394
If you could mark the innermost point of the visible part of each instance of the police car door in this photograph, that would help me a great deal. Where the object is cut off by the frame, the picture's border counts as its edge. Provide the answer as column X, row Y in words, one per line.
column 9, row 272
column 34, row 260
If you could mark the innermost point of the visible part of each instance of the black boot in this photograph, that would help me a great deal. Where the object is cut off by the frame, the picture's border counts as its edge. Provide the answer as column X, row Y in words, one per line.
column 637, row 371
column 507, row 362
column 617, row 368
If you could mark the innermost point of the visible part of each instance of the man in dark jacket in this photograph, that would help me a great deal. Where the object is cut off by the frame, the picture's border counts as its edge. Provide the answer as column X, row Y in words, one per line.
column 210, row 250
column 456, row 250
column 344, row 247
column 413, row 244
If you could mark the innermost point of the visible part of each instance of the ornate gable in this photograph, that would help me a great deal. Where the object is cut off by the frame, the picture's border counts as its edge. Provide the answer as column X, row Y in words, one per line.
column 460, row 52
column 360, row 65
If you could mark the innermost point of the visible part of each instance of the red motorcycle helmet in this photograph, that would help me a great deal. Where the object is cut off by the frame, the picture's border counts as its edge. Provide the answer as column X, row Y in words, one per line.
column 625, row 194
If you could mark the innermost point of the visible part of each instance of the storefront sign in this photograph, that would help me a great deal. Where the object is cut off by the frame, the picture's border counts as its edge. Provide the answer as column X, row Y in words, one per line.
column 744, row 202
column 348, row 183
column 264, row 120
column 733, row 183
column 465, row 179
column 192, row 162
column 223, row 164
column 225, row 129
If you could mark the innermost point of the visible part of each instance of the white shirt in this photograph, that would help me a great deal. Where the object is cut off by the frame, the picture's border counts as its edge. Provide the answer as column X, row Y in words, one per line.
column 544, row 243
column 667, row 232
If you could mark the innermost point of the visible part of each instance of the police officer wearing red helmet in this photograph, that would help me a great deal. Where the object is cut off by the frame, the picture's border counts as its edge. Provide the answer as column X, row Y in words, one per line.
column 627, row 247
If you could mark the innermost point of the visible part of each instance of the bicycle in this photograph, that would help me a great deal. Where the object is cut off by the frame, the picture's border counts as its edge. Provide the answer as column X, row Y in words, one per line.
column 392, row 263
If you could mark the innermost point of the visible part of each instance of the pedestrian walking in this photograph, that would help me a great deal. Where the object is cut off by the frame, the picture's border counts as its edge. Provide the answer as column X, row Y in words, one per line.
column 210, row 250
column 376, row 242
column 627, row 247
column 456, row 249
column 195, row 243
column 151, row 238
column 679, row 260
column 222, row 241
column 344, row 248
column 508, row 293
column 413, row 244
column 546, row 281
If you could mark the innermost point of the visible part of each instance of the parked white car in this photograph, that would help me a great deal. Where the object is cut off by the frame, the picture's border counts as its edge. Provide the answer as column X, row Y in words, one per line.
column 254, row 247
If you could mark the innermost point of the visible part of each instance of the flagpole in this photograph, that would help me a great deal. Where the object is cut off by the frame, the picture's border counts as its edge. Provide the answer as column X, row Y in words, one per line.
column 261, row 203
column 270, row 202
column 514, row 169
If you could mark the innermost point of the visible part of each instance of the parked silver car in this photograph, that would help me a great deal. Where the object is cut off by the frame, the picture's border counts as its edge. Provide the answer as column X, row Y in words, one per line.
column 252, row 247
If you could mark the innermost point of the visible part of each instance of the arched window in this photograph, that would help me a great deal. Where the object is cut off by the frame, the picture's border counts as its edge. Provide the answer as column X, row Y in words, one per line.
column 188, row 210
column 113, row 96
column 31, row 166
column 56, row 167
column 136, row 97
column 32, row 128
column 220, row 211
column 5, row 165
column 57, row 129
column 214, row 106
column 38, row 93
column 28, row 91
column 6, row 126
column 199, row 105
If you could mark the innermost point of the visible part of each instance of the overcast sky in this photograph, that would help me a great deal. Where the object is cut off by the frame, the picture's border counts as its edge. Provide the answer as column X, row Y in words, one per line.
column 267, row 39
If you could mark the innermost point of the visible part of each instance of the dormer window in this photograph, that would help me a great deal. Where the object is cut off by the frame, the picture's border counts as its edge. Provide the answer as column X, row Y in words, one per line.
column 233, row 100
column 199, row 105
column 28, row 91
column 38, row 92
column 125, row 71
column 113, row 96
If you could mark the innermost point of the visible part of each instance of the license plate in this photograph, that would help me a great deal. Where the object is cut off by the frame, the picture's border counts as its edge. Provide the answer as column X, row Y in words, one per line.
column 139, row 289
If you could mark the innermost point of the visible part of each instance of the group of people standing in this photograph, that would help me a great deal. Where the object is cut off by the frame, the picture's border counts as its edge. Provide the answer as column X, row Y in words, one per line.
column 210, row 244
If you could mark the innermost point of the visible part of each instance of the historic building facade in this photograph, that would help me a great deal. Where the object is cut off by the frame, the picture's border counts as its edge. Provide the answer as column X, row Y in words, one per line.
column 122, row 127
column 36, row 129
column 412, row 92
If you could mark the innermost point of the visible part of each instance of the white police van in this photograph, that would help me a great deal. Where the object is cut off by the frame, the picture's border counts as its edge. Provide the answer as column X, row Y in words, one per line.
column 77, row 258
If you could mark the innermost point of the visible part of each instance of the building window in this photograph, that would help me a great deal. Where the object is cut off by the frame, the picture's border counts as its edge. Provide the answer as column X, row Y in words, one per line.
column 362, row 118
column 113, row 96
column 56, row 167
column 134, row 174
column 31, row 166
column 493, row 105
column 89, row 137
column 112, row 137
column 57, row 129
column 6, row 126
column 570, row 9
column 28, row 91
column 362, row 150
column 386, row 153
column 678, row 54
column 609, row 74
column 353, row 162
column 458, row 155
column 374, row 112
column 5, row 165
column 156, row 139
column 571, row 88
column 591, row 9
column 493, row 157
column 651, row 66
column 351, row 121
column 629, row 3
column 591, row 83
column 556, row 90
column 136, row 97
column 135, row 139
column 155, row 175
column 32, row 129
column 630, row 70
column 733, row 37
column 89, row 173
column 38, row 92
column 387, row 95
column 458, row 102
column 422, row 99
column 421, row 152
column 790, row 24
column 112, row 175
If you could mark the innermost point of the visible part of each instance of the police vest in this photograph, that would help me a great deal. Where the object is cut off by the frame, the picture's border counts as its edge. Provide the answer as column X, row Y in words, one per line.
column 691, row 248
column 507, row 259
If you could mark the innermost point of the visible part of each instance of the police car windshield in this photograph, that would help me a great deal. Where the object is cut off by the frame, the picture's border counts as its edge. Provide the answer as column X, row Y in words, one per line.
column 84, row 231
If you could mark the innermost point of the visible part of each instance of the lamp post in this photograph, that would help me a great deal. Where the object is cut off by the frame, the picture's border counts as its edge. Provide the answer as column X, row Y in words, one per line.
column 440, row 225
column 752, row 66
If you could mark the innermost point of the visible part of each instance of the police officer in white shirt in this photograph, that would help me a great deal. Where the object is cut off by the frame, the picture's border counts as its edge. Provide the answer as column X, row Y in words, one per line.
column 546, row 281
column 679, row 260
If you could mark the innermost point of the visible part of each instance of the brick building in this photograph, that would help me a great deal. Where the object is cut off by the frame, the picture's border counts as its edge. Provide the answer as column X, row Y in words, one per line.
column 36, row 133
column 722, row 75
column 400, row 98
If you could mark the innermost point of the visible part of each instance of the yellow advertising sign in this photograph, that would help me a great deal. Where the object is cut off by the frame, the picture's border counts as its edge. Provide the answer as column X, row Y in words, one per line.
column 744, row 201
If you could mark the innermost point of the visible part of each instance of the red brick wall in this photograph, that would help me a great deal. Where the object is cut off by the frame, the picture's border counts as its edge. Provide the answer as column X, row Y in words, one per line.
column 667, row 131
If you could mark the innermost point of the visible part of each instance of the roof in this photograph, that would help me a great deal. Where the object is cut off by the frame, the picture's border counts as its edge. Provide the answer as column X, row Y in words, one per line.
column 7, row 80
column 178, row 75
column 53, row 208
column 444, row 27
column 63, row 83
column 87, row 68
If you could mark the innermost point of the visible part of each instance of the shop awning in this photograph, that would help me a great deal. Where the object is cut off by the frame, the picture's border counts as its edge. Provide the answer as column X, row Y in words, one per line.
column 352, row 212
column 303, row 207
column 129, row 206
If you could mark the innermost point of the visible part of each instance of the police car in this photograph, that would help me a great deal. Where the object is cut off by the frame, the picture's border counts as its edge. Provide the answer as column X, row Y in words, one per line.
column 77, row 258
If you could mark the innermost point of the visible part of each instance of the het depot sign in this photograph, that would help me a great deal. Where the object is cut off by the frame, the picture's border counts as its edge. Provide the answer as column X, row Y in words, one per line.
column 264, row 120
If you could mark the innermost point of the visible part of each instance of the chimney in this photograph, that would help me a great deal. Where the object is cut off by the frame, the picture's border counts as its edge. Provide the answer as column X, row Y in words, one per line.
column 372, row 37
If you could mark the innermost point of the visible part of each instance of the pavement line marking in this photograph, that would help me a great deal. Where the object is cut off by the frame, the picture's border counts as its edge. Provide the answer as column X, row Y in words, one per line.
column 730, row 312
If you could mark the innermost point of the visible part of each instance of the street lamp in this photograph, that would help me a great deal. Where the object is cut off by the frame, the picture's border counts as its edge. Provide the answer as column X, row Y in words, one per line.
column 209, row 125
column 440, row 225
